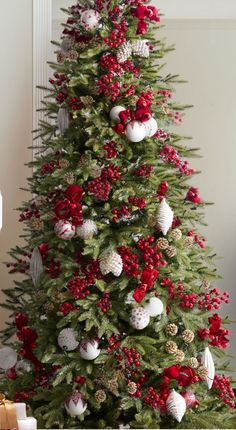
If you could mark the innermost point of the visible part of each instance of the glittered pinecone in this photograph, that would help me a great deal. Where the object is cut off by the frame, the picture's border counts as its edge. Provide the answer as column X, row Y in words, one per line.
column 63, row 163
column 73, row 55
column 189, row 241
column 176, row 234
column 84, row 161
column 170, row 251
column 111, row 263
column 69, row 178
column 61, row 57
column 202, row 372
column 179, row 356
column 87, row 100
column 100, row 396
column 36, row 224
column 112, row 385
column 162, row 243
column 140, row 48
column 171, row 347
column 132, row 388
column 172, row 329
column 188, row 336
column 193, row 362
column 94, row 171
column 81, row 46
column 124, row 52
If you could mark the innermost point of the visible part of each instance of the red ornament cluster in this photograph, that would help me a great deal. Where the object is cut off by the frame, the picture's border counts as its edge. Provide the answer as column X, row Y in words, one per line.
column 171, row 155
column 215, row 333
column 224, row 390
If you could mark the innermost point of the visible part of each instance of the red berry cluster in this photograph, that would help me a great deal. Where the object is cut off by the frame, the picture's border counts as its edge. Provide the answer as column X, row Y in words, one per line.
column 79, row 379
column 60, row 80
column 162, row 135
column 150, row 252
column 109, row 62
column 212, row 299
column 193, row 195
column 162, row 189
column 129, row 357
column 225, row 391
column 111, row 173
column 130, row 90
column 66, row 307
column 78, row 288
column 144, row 14
column 108, row 86
column 171, row 155
column 176, row 117
column 75, row 103
column 121, row 212
column 110, row 147
column 117, row 35
column 21, row 265
column 216, row 334
column 29, row 213
column 201, row 241
column 48, row 168
column 83, row 278
column 153, row 399
column 130, row 261
column 167, row 94
column 100, row 188
column 144, row 170
column 53, row 268
column 114, row 343
column 139, row 202
column 104, row 304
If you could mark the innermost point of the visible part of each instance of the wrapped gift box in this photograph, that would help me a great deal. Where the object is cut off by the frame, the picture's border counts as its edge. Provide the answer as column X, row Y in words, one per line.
column 24, row 422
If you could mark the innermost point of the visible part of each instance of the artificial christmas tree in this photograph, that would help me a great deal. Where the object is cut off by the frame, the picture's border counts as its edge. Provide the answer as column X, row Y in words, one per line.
column 116, row 320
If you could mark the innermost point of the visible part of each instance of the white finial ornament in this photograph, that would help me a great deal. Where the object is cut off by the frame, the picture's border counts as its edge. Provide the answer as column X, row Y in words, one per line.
column 36, row 266
column 165, row 217
column 135, row 131
column 176, row 405
column 75, row 405
column 208, row 363
column 87, row 230
column 111, row 262
column 63, row 120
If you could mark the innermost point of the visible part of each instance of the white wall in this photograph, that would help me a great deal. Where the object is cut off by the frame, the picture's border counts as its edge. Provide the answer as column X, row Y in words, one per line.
column 15, row 120
column 204, row 9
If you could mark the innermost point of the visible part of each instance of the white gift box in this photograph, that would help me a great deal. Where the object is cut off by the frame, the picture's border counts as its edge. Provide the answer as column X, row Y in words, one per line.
column 24, row 422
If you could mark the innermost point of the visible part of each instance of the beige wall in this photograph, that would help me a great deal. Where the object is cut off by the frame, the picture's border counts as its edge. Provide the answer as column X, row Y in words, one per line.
column 15, row 120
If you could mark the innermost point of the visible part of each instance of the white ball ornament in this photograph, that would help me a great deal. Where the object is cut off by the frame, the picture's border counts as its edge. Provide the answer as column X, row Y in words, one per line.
column 176, row 405
column 67, row 339
column 89, row 19
column 87, row 230
column 114, row 113
column 89, row 349
column 207, row 361
column 151, row 127
column 75, row 405
column 8, row 358
column 154, row 307
column 139, row 318
column 165, row 217
column 64, row 229
column 135, row 131
column 111, row 262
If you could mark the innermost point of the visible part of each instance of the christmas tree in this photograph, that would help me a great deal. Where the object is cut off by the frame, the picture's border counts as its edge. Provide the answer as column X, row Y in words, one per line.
column 115, row 315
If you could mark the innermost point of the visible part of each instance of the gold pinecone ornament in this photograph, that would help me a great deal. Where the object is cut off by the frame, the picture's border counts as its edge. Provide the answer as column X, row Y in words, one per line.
column 70, row 178
column 188, row 336
column 170, row 251
column 189, row 241
column 172, row 329
column 100, row 396
column 179, row 356
column 202, row 372
column 176, row 234
column 132, row 388
column 36, row 224
column 171, row 347
column 162, row 243
column 193, row 362
column 87, row 100
column 63, row 163
column 112, row 386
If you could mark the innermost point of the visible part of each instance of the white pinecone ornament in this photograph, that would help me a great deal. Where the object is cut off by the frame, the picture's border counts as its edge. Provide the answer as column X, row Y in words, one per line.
column 139, row 318
column 176, row 405
column 165, row 217
column 89, row 349
column 111, row 263
column 124, row 52
column 140, row 48
column 208, row 363
column 75, row 405
column 67, row 339
column 64, row 229
column 87, row 230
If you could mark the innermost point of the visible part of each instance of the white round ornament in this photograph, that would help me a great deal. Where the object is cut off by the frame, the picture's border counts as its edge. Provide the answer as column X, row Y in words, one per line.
column 165, row 217
column 89, row 19
column 114, row 113
column 64, row 229
column 176, row 405
column 67, row 339
column 111, row 262
column 151, row 127
column 89, row 349
column 139, row 318
column 135, row 131
column 23, row 366
column 8, row 358
column 154, row 307
column 87, row 230
column 207, row 361
column 75, row 405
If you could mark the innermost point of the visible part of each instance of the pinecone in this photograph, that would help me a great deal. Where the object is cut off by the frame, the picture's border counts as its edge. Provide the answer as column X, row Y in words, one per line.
column 111, row 262
column 36, row 224
column 140, row 48
column 63, row 163
column 81, row 46
column 84, row 161
column 176, row 234
column 202, row 372
column 171, row 347
column 188, row 336
column 172, row 329
column 95, row 171
column 179, row 356
column 170, row 251
column 162, row 243
column 48, row 307
column 112, row 385
column 132, row 388
column 39, row 201
column 193, row 362
column 73, row 55
column 206, row 284
column 124, row 52
column 61, row 57
column 189, row 241
column 70, row 178
column 100, row 396
column 87, row 100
